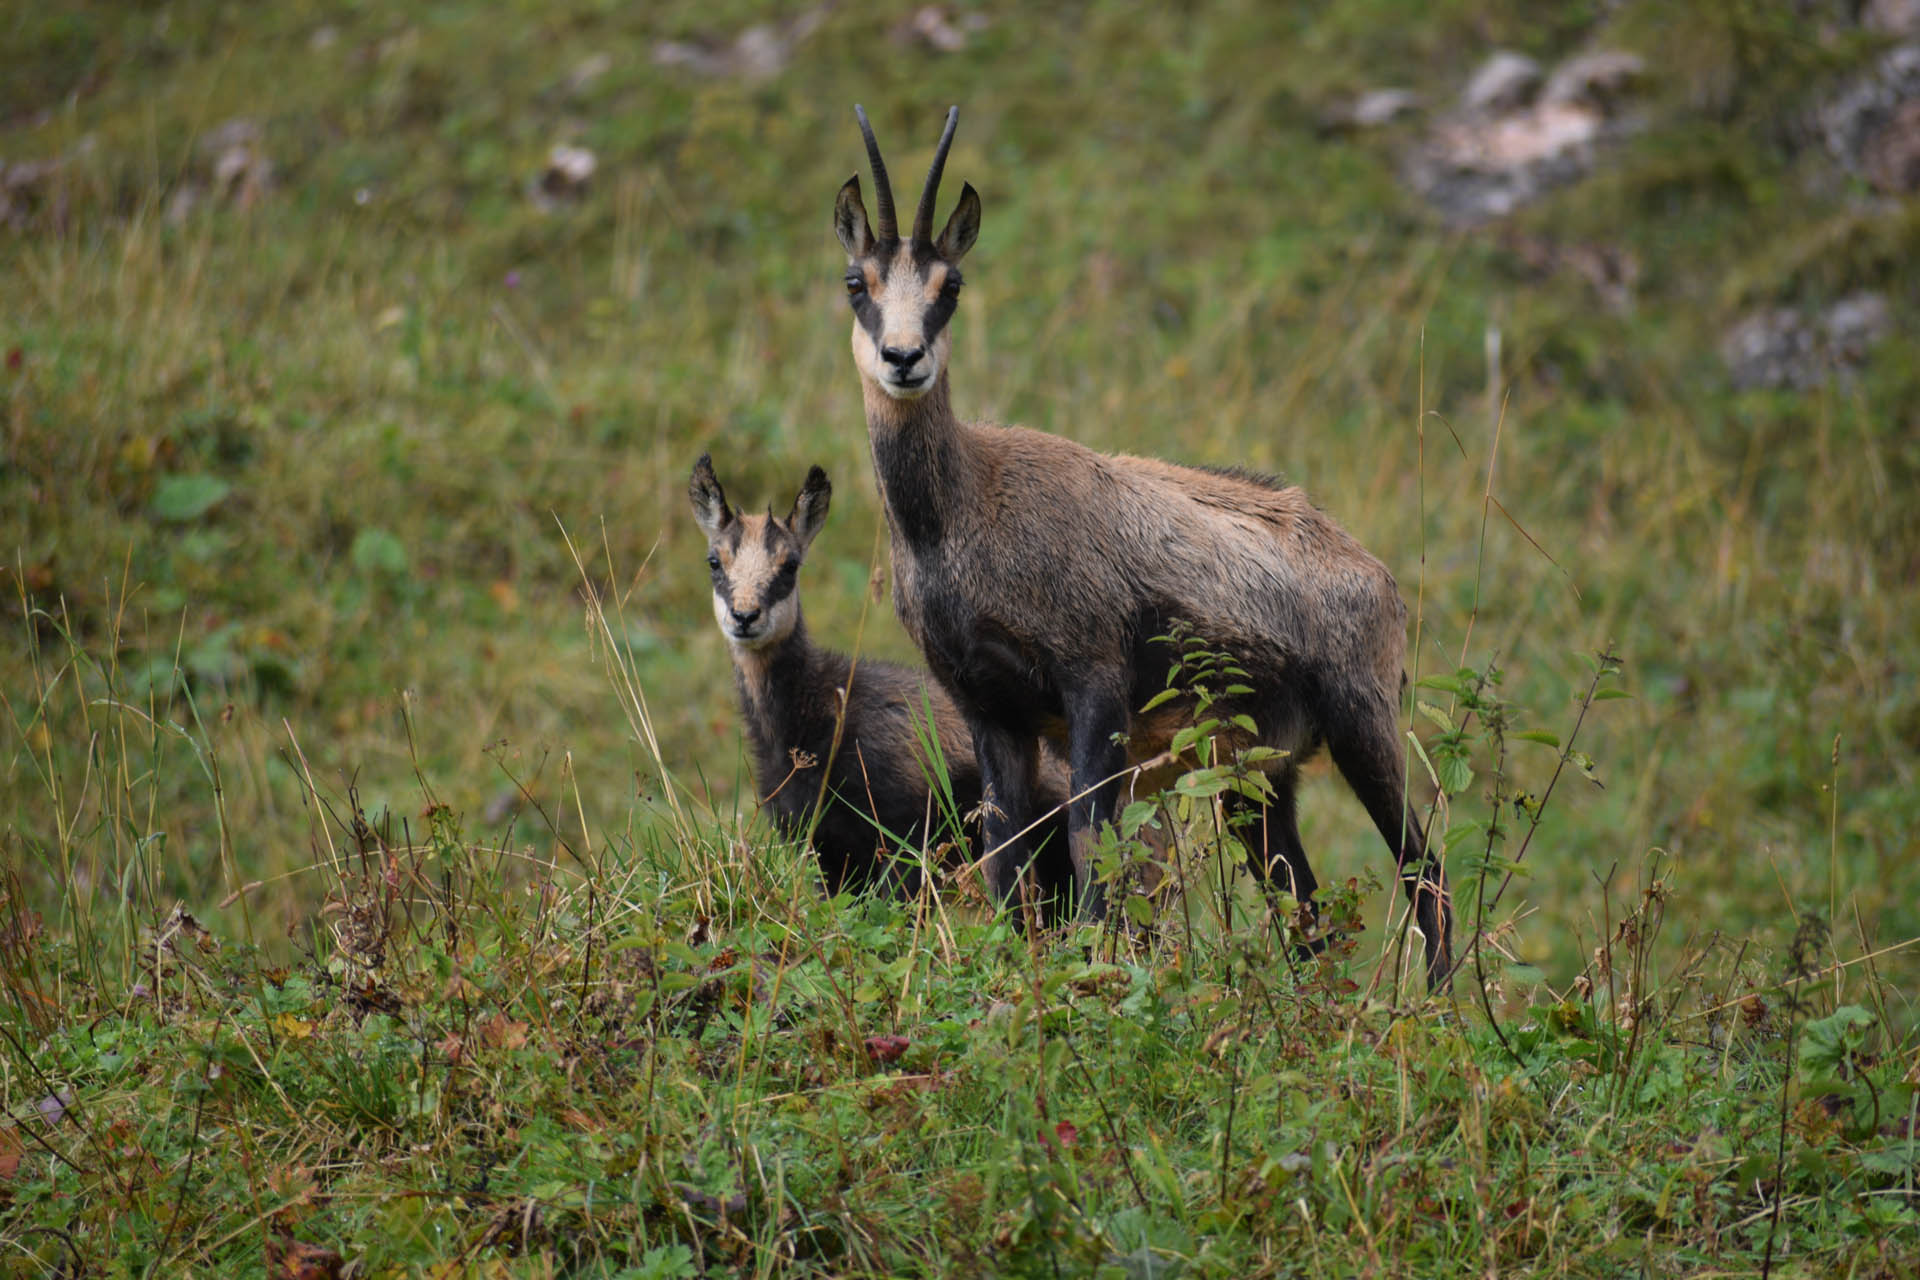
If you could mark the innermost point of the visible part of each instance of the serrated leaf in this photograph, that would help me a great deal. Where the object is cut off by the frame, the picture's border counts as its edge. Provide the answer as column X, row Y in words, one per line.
column 1237, row 690
column 1439, row 717
column 1136, row 815
column 1446, row 684
column 1538, row 735
column 1828, row 1044
column 1139, row 911
column 1456, row 775
column 1245, row 722
column 1203, row 784
column 1160, row 699
column 1254, row 786
column 1608, row 695
column 188, row 497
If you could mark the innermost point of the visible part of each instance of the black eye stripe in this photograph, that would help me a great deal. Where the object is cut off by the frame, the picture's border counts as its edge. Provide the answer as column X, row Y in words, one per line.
column 939, row 313
column 782, row 586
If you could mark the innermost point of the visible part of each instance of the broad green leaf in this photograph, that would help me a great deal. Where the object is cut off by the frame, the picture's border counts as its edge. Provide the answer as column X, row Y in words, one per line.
column 188, row 497
column 1828, row 1044
column 1456, row 775
column 1203, row 784
column 377, row 551
column 1136, row 815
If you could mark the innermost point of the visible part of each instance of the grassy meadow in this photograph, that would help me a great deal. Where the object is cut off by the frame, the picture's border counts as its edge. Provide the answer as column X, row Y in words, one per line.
column 380, row 886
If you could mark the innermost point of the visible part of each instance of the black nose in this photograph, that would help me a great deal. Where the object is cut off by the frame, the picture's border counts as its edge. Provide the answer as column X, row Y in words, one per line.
column 902, row 357
column 744, row 619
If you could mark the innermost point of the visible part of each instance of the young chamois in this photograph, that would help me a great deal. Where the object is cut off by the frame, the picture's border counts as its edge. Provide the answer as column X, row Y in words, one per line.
column 1035, row 575
column 825, row 733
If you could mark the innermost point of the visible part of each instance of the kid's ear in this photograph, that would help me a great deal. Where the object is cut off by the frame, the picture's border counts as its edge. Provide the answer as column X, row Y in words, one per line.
column 810, row 508
column 710, row 508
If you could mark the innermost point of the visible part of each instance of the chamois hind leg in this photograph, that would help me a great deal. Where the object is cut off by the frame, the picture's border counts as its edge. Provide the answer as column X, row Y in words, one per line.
column 1052, row 869
column 1009, row 786
column 1365, row 746
column 1096, row 763
column 1271, row 833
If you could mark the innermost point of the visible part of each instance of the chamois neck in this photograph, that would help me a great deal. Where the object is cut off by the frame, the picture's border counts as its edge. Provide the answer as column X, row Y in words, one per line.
column 919, row 459
column 931, row 413
column 766, row 673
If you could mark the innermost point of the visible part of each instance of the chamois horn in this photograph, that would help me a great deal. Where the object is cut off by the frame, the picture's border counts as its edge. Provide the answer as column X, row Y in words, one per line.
column 930, row 194
column 882, row 190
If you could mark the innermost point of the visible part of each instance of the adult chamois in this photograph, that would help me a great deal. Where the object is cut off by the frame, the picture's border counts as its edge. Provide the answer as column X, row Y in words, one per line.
column 849, row 740
column 1035, row 574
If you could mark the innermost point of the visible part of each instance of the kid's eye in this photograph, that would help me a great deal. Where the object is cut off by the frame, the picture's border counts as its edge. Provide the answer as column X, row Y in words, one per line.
column 855, row 286
column 713, row 562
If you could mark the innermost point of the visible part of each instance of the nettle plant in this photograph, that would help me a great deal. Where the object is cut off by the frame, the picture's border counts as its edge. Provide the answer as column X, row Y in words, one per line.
column 1215, row 760
column 1486, row 844
column 1483, row 812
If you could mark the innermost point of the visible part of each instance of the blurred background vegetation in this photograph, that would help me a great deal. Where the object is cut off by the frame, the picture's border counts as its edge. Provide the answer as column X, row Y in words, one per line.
column 314, row 344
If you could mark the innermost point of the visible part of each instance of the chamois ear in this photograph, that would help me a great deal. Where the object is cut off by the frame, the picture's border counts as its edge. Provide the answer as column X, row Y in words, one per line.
column 850, row 220
column 710, row 508
column 963, row 228
column 810, row 508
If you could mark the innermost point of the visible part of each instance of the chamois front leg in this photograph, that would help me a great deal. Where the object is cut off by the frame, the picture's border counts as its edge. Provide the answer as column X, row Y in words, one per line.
column 1096, row 762
column 1009, row 784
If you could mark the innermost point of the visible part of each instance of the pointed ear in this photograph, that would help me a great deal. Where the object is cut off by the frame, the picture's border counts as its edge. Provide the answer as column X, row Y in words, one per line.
column 963, row 228
column 710, row 508
column 810, row 508
column 850, row 220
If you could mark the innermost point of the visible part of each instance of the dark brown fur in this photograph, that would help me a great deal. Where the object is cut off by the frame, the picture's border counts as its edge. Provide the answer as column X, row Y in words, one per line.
column 877, row 797
column 1035, row 573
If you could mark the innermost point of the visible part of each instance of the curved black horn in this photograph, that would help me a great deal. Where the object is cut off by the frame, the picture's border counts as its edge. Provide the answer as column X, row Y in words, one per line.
column 882, row 190
column 930, row 194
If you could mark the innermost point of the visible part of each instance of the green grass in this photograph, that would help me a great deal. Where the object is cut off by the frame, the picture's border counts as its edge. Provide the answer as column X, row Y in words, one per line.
column 286, row 499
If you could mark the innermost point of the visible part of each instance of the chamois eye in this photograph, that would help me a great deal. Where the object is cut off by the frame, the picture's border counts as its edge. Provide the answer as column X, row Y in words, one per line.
column 856, row 286
column 790, row 568
column 713, row 562
column 951, row 288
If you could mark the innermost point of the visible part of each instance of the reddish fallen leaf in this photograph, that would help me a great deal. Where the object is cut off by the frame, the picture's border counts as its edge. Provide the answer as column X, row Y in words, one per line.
column 15, row 358
column 290, row 1259
column 503, row 1032
column 11, row 1150
column 885, row 1049
column 1066, row 1133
